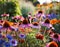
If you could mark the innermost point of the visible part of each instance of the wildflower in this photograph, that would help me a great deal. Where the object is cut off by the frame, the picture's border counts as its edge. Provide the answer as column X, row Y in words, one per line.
column 21, row 40
column 1, row 26
column 35, row 25
column 52, row 44
column 25, row 21
column 14, row 28
column 55, row 37
column 5, row 15
column 13, row 42
column 6, row 24
column 22, row 36
column 39, row 14
column 16, row 17
column 53, row 21
column 9, row 36
column 2, row 41
column 39, row 36
column 47, row 24
column 7, row 44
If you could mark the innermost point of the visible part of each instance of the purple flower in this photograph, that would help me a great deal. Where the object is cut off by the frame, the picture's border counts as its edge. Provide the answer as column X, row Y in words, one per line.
column 24, row 26
column 35, row 25
column 22, row 36
column 14, row 28
column 55, row 37
column 46, row 24
column 1, row 26
column 13, row 42
column 7, row 44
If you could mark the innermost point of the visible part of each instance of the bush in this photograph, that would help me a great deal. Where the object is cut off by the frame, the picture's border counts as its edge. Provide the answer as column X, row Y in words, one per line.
column 10, row 7
column 13, row 8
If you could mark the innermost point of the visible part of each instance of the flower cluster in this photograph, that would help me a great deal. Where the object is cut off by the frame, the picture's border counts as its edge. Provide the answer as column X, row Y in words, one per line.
column 26, row 32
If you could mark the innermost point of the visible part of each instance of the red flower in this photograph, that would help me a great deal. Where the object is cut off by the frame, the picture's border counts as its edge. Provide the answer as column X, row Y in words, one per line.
column 39, row 36
column 52, row 44
column 21, row 40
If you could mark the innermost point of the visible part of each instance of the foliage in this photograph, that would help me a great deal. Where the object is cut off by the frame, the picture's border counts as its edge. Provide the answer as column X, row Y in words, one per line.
column 11, row 7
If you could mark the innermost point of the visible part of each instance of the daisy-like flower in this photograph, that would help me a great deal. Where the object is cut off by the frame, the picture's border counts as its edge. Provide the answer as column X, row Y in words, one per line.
column 22, row 36
column 5, row 15
column 39, row 14
column 21, row 40
column 55, row 37
column 7, row 24
column 14, row 28
column 47, row 23
column 16, row 17
column 35, row 25
column 52, row 44
column 13, row 42
column 39, row 36
column 25, row 23
column 53, row 21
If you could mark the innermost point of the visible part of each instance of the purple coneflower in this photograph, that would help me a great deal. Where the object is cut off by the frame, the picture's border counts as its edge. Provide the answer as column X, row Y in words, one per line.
column 55, row 37
column 35, row 25
column 5, row 15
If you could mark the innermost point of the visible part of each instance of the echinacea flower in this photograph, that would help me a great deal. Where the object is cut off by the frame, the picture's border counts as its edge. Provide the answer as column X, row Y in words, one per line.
column 55, row 37
column 5, row 15
column 6, row 24
column 39, row 14
column 14, row 28
column 13, row 42
column 35, row 25
column 22, row 36
column 46, row 23
column 52, row 44
column 16, row 17
column 39, row 36
column 25, row 21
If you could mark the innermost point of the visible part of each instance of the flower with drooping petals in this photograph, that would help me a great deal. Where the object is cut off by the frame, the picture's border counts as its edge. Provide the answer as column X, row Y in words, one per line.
column 39, row 36
column 52, row 44
column 5, row 15
column 55, row 37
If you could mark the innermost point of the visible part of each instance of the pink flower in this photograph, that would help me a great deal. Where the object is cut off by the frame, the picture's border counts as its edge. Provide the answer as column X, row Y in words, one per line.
column 55, row 37
column 5, row 15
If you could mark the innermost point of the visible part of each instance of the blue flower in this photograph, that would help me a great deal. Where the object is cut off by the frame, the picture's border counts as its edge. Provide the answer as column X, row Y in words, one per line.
column 13, row 42
column 22, row 36
column 7, row 44
column 9, row 36
column 0, row 36
column 52, row 16
column 2, row 41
